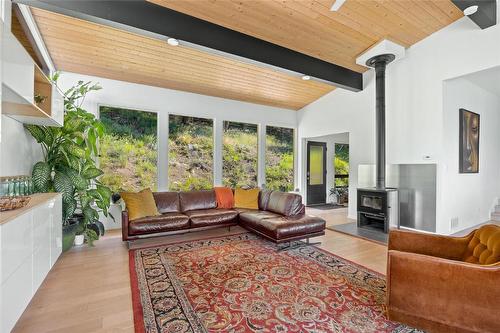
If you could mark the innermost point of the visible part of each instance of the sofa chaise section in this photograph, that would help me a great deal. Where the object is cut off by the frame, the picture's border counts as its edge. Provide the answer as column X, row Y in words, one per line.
column 284, row 220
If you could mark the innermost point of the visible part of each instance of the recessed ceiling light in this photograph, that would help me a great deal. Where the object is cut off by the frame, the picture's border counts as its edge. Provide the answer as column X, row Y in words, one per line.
column 470, row 10
column 172, row 41
column 336, row 5
column 306, row 77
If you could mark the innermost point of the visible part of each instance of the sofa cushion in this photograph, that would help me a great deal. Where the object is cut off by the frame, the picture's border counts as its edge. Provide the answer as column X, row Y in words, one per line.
column 167, row 202
column 225, row 197
column 255, row 216
column 244, row 210
column 206, row 217
column 195, row 200
column 253, row 220
column 264, row 196
column 160, row 223
column 246, row 198
column 282, row 228
column 139, row 204
column 287, row 204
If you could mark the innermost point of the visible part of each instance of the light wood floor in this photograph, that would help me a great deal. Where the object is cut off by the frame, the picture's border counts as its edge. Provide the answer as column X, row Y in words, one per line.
column 88, row 290
column 331, row 216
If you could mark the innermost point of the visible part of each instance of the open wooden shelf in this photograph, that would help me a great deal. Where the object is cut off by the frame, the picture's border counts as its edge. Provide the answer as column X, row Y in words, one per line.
column 19, row 108
column 43, row 87
column 22, row 81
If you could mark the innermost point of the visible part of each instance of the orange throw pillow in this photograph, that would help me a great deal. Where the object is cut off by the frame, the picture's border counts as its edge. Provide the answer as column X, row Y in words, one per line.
column 246, row 198
column 225, row 198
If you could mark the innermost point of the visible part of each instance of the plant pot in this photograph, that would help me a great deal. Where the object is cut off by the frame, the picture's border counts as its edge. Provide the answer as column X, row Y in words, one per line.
column 69, row 232
column 79, row 240
column 79, row 219
column 335, row 199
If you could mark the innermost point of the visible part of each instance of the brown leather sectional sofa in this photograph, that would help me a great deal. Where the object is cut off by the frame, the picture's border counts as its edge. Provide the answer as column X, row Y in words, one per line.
column 280, row 217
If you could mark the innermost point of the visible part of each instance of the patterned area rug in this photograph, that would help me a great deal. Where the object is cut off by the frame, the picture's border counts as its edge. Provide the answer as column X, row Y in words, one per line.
column 240, row 283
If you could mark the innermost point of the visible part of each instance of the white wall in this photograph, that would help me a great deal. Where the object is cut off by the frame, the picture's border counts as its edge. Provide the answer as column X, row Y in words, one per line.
column 470, row 197
column 338, row 112
column 18, row 150
column 414, row 103
column 330, row 141
column 167, row 101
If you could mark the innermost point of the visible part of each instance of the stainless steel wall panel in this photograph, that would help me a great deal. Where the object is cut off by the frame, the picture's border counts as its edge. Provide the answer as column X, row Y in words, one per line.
column 417, row 191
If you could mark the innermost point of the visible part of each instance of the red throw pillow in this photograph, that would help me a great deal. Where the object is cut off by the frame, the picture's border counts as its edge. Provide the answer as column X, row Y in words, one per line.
column 225, row 197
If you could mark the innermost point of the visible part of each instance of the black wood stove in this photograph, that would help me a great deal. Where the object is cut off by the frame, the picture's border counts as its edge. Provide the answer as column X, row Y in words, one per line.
column 378, row 207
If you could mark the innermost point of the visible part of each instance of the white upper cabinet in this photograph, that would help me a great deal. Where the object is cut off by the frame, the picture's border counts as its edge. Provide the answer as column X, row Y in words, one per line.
column 27, row 94
column 18, row 69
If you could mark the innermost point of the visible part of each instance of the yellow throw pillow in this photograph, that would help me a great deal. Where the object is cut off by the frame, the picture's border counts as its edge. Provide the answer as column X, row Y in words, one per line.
column 140, row 204
column 246, row 198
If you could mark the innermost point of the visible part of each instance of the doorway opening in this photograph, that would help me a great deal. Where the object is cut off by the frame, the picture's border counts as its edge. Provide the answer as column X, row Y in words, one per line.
column 316, row 172
column 340, row 189
column 326, row 177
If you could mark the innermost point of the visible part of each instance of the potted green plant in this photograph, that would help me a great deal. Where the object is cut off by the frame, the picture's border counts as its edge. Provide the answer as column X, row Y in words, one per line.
column 69, row 230
column 333, row 193
column 69, row 166
column 79, row 239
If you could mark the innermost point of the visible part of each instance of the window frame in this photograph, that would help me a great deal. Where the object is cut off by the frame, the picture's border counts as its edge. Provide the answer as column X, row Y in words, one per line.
column 259, row 128
column 295, row 152
column 340, row 176
column 162, row 132
column 158, row 133
column 214, row 141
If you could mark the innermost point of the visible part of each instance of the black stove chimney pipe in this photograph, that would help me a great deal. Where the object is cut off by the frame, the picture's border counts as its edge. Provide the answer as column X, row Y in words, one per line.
column 379, row 63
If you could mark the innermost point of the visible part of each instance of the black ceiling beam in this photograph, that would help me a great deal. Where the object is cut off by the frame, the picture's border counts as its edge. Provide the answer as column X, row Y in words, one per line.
column 486, row 15
column 150, row 17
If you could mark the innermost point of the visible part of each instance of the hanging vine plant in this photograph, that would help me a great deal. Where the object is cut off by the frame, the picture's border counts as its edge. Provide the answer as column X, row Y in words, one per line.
column 69, row 163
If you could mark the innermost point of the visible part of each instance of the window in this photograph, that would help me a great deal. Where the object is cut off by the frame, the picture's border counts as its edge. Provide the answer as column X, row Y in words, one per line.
column 190, row 157
column 341, row 165
column 128, row 149
column 239, row 153
column 279, row 158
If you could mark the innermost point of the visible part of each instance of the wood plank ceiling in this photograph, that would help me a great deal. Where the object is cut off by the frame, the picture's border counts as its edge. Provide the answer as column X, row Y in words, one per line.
column 306, row 26
column 88, row 48
column 18, row 31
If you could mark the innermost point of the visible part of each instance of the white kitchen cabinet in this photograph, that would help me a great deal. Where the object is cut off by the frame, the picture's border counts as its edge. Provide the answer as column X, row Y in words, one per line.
column 17, row 244
column 56, row 232
column 41, row 243
column 30, row 243
column 16, row 295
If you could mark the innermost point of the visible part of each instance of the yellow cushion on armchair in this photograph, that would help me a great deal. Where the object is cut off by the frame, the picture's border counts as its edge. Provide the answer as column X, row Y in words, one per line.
column 484, row 247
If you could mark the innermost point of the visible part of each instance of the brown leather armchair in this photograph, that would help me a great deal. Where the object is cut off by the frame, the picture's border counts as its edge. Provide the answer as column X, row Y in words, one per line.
column 445, row 284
